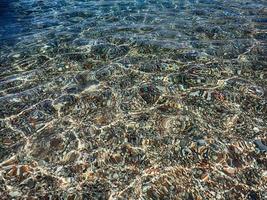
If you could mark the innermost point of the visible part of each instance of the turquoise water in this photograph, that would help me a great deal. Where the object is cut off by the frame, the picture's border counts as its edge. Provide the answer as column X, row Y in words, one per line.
column 133, row 99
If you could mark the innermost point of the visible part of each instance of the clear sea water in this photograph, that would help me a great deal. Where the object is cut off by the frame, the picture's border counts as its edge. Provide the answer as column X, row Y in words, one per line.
column 114, row 96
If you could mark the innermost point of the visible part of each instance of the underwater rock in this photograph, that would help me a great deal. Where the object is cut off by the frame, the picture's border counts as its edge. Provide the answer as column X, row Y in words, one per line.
column 260, row 145
column 103, row 73
column 261, row 36
column 199, row 12
column 81, row 83
column 149, row 93
column 66, row 100
column 47, row 107
column 108, row 51
column 150, row 67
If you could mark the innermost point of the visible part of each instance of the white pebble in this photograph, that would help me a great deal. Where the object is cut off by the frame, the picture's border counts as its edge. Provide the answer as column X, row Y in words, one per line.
column 16, row 56
column 256, row 129
column 115, row 176
column 15, row 194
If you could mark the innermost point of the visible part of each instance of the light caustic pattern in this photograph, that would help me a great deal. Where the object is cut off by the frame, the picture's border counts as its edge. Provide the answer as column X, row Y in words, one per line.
column 133, row 99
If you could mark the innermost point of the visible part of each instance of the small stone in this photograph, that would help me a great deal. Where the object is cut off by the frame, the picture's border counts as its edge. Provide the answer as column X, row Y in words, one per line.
column 115, row 176
column 194, row 94
column 181, row 87
column 60, row 168
column 201, row 142
column 260, row 145
column 16, row 56
column 209, row 96
column 149, row 93
column 15, row 193
column 264, row 175
column 218, row 196
column 71, row 156
column 256, row 129
column 229, row 170
column 30, row 183
column 214, row 157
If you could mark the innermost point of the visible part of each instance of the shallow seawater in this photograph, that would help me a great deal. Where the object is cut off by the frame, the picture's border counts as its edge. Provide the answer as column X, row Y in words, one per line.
column 133, row 99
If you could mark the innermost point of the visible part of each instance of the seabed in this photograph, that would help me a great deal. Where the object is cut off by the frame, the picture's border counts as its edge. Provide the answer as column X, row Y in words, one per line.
column 136, row 99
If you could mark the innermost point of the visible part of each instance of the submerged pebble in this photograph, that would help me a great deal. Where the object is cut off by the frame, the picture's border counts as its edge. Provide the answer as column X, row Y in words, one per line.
column 260, row 145
column 149, row 93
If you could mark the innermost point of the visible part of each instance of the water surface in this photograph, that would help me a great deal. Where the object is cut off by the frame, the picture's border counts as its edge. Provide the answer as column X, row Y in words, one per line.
column 133, row 99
